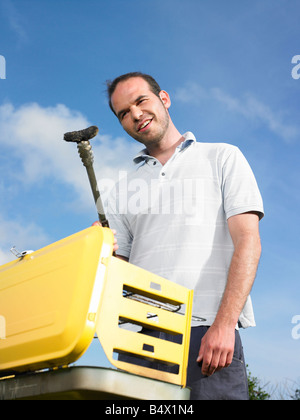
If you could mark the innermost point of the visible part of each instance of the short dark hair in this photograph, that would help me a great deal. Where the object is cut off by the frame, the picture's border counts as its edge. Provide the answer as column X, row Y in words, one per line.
column 111, row 85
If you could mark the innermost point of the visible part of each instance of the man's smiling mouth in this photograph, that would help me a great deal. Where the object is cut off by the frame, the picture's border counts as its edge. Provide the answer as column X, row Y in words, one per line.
column 144, row 125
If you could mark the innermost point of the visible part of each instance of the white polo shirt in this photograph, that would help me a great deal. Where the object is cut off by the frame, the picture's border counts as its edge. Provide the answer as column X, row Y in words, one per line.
column 172, row 219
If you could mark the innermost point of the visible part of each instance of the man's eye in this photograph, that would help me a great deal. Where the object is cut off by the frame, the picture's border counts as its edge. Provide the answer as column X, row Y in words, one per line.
column 141, row 100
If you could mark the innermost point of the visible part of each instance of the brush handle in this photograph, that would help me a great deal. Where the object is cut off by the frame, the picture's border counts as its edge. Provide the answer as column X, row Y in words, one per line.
column 87, row 158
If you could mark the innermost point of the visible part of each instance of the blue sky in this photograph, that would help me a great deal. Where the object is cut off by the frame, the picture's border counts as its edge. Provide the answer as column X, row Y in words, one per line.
column 228, row 69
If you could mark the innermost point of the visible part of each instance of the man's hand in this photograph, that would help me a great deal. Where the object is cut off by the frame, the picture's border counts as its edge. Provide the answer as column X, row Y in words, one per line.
column 116, row 246
column 216, row 351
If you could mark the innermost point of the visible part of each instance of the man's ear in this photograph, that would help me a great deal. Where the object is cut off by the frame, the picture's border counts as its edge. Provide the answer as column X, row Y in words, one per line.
column 165, row 98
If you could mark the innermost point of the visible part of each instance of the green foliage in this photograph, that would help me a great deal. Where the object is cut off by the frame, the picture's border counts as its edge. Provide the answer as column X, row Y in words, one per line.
column 256, row 392
column 296, row 397
column 283, row 391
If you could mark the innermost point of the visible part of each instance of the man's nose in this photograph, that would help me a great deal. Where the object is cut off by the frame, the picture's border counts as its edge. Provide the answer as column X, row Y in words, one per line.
column 136, row 113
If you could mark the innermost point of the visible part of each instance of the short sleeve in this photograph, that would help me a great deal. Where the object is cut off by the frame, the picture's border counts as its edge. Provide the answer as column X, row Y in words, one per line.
column 239, row 187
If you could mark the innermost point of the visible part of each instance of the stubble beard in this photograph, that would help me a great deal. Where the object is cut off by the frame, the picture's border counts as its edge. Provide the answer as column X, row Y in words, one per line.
column 156, row 134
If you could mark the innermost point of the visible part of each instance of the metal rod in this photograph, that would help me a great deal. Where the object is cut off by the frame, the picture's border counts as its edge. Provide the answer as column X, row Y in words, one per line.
column 87, row 158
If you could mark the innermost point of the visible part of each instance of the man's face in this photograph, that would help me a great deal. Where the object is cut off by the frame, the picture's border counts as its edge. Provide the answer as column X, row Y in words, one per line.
column 143, row 115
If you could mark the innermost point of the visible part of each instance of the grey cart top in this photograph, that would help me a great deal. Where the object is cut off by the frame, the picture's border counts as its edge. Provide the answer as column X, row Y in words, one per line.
column 88, row 383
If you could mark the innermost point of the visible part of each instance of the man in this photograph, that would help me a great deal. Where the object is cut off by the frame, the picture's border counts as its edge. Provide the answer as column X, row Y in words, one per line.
column 205, row 237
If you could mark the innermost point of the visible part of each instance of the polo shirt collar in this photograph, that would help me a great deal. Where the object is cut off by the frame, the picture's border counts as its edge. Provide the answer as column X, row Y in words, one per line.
column 143, row 155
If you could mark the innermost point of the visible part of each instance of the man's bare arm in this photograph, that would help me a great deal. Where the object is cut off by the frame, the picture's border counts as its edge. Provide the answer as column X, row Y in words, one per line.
column 217, row 345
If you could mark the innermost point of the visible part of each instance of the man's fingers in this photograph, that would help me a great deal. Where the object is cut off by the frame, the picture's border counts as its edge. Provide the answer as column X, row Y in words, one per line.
column 116, row 246
column 225, row 361
column 229, row 359
column 214, row 361
column 215, row 364
column 206, row 359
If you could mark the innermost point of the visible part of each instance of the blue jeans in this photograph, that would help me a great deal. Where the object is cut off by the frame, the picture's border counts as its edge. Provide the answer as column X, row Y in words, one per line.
column 230, row 383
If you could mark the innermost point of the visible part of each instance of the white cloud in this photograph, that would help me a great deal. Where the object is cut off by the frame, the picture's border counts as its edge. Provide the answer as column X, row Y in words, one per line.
column 191, row 93
column 252, row 108
column 247, row 106
column 34, row 153
column 23, row 236
column 34, row 135
column 15, row 20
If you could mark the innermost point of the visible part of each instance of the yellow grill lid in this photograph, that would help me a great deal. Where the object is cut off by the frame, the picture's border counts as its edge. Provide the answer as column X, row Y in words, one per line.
column 47, row 301
column 54, row 300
